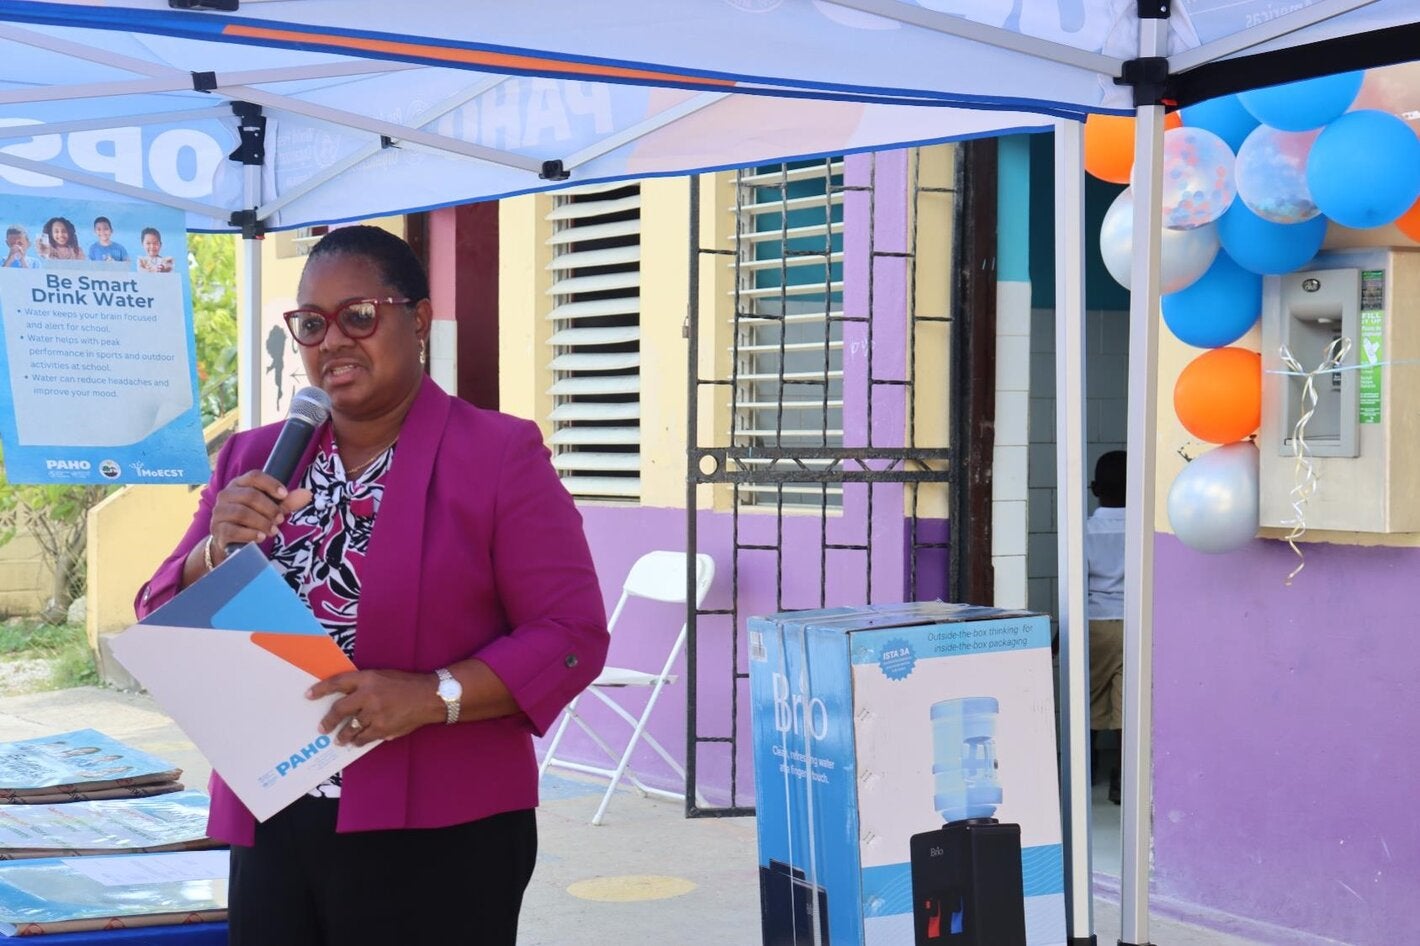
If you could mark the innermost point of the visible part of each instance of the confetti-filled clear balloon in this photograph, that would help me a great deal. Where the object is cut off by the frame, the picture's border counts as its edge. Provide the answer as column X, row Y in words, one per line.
column 1184, row 256
column 1213, row 503
column 1198, row 177
column 1271, row 173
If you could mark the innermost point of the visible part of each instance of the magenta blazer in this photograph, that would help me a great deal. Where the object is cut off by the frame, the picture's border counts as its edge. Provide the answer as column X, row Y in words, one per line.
column 478, row 551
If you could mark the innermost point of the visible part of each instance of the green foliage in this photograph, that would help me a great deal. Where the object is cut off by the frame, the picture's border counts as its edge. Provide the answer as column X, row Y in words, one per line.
column 64, row 646
column 57, row 516
column 212, row 263
column 30, row 639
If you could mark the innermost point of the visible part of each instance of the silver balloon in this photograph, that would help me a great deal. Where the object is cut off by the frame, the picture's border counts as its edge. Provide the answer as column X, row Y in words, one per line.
column 1184, row 257
column 1213, row 500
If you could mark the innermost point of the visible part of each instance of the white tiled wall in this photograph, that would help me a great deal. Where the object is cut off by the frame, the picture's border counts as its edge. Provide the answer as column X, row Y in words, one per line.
column 1107, row 381
column 1010, row 460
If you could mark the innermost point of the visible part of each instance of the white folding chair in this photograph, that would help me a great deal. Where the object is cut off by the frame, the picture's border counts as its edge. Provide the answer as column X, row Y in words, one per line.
column 659, row 576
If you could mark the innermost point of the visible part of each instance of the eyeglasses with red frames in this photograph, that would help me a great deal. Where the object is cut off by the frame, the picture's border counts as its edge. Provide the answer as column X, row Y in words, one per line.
column 357, row 319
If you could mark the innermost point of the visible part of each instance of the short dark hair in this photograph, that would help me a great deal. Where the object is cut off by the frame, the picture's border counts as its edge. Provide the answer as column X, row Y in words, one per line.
column 152, row 230
column 1111, row 472
column 398, row 265
column 99, row 220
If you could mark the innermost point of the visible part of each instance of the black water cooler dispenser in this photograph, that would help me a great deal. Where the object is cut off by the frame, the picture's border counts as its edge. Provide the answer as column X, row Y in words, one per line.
column 967, row 888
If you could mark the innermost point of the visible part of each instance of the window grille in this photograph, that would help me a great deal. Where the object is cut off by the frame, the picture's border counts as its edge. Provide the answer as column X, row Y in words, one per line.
column 788, row 352
column 595, row 346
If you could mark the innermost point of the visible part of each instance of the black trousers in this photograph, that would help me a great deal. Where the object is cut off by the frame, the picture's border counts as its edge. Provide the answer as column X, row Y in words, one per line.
column 302, row 884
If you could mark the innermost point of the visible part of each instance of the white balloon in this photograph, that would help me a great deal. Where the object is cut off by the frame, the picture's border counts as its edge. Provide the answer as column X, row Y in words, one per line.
column 1184, row 256
column 1213, row 501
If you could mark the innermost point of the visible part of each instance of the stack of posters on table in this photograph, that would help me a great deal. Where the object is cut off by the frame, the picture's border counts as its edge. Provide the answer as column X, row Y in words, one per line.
column 84, row 765
column 173, row 822
column 71, row 894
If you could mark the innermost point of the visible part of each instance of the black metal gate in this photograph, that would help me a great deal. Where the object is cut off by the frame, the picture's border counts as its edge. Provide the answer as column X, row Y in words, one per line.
column 780, row 454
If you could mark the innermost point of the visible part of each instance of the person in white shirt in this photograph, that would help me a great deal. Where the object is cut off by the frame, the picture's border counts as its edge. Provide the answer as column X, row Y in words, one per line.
column 1104, row 562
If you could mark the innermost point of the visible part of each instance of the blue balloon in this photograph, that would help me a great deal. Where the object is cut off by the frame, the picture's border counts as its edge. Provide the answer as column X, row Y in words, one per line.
column 1364, row 169
column 1224, row 116
column 1302, row 106
column 1218, row 309
column 1267, row 248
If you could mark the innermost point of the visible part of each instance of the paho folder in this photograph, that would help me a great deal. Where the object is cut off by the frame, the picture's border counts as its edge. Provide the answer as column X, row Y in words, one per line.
column 230, row 660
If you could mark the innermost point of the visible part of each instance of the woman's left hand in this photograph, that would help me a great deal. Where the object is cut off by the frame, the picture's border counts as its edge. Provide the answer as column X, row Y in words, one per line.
column 381, row 704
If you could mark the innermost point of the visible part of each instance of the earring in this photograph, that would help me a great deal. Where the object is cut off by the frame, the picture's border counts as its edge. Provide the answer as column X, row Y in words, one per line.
column 423, row 354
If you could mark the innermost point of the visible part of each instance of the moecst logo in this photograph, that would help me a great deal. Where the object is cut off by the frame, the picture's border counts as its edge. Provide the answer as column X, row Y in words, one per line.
column 151, row 473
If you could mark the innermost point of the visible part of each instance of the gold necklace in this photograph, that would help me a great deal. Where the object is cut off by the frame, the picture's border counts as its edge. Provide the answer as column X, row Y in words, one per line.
column 352, row 472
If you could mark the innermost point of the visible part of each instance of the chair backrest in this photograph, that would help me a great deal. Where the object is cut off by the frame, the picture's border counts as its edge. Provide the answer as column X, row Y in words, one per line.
column 660, row 576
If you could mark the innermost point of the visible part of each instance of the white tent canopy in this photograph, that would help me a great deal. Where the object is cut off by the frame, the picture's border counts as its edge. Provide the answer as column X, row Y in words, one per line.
column 943, row 50
column 378, row 107
column 342, row 137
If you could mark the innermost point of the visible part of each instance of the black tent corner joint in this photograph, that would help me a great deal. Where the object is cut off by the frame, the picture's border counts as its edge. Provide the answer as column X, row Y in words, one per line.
column 554, row 171
column 1148, row 9
column 1150, row 78
column 223, row 6
column 251, row 125
column 246, row 221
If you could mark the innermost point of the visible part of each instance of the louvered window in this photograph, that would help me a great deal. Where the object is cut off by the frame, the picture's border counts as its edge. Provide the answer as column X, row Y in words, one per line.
column 596, row 340
column 789, row 296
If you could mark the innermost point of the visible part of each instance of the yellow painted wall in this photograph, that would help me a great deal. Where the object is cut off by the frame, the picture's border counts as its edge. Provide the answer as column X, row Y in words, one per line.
column 130, row 533
column 523, row 305
column 933, row 167
column 716, row 322
column 24, row 578
column 665, row 275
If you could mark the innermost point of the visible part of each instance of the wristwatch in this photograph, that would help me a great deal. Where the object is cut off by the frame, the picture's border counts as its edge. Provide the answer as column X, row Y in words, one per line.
column 451, row 692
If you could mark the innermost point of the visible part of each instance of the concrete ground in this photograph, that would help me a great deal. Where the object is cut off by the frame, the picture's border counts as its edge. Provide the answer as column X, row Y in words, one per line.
column 647, row 877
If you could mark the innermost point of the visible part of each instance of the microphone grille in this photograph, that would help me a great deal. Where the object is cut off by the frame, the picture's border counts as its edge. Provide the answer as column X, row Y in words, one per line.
column 311, row 405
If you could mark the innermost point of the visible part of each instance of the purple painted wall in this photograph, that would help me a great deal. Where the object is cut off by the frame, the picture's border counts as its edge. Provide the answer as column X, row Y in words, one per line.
column 1285, row 737
column 619, row 535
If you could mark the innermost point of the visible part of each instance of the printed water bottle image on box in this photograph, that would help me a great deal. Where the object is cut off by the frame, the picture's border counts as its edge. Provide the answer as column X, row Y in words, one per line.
column 905, row 773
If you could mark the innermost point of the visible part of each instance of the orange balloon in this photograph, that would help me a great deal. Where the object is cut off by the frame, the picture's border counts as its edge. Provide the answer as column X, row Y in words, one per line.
column 1409, row 222
column 1109, row 145
column 1218, row 396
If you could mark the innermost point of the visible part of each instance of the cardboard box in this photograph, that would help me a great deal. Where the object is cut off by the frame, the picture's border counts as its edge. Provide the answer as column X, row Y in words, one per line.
column 873, row 728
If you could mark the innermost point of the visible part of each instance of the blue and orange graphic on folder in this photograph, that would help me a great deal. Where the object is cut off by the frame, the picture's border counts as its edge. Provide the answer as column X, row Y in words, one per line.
column 230, row 660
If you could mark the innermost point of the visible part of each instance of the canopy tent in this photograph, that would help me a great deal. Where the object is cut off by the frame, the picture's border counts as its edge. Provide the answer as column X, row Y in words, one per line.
column 430, row 103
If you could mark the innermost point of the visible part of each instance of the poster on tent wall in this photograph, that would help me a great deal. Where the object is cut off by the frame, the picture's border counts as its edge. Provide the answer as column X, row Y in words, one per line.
column 97, row 361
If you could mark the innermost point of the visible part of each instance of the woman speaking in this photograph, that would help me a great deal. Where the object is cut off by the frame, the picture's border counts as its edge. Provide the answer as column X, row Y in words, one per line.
column 436, row 545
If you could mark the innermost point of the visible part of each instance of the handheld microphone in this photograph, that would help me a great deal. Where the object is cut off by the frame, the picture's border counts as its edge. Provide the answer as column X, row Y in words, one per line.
column 310, row 407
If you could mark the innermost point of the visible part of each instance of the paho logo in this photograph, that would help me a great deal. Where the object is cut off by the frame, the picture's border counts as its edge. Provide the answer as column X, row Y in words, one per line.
column 178, row 161
column 150, row 473
column 64, row 466
column 298, row 758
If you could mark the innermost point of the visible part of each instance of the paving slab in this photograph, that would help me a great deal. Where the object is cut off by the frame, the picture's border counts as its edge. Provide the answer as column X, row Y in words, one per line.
column 648, row 876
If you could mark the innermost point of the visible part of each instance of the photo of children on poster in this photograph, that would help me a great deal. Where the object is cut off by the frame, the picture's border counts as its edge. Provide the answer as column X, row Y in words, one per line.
column 97, row 359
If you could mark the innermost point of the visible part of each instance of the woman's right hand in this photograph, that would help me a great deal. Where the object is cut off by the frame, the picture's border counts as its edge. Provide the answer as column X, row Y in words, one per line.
column 250, row 509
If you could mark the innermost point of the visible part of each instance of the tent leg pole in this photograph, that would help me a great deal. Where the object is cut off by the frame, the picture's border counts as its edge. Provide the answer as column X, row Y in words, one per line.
column 1070, row 446
column 1137, row 769
column 249, row 317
